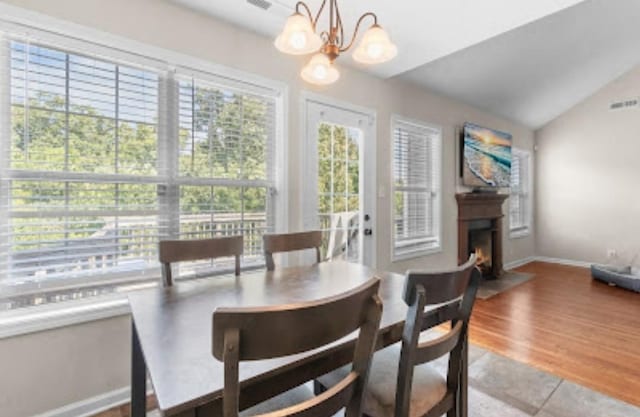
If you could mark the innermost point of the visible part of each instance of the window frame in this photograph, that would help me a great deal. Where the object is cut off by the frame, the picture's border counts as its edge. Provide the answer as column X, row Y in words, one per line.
column 524, row 195
column 436, row 192
column 123, row 51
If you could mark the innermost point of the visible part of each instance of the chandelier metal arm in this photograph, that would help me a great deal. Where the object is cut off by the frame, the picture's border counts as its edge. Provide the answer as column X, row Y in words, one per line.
column 324, row 3
column 340, row 26
column 307, row 9
column 355, row 32
column 303, row 5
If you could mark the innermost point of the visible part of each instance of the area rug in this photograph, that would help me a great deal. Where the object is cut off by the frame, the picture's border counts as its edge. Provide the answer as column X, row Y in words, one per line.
column 489, row 288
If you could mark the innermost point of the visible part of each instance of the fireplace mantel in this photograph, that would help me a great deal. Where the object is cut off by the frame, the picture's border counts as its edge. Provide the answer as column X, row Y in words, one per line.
column 481, row 206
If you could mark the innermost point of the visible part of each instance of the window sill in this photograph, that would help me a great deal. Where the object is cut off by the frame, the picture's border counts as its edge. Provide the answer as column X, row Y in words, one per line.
column 416, row 254
column 519, row 234
column 35, row 318
column 51, row 316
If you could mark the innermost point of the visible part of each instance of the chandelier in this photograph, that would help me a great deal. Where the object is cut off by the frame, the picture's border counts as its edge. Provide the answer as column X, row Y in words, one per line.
column 300, row 37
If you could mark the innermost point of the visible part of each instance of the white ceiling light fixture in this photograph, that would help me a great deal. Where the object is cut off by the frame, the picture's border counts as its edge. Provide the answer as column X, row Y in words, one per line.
column 299, row 37
column 375, row 47
column 320, row 70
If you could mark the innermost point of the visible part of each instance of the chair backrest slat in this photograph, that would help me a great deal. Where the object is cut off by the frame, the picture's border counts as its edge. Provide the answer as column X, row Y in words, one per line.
column 439, row 287
column 193, row 250
column 300, row 327
column 289, row 242
column 433, row 349
column 247, row 334
column 441, row 315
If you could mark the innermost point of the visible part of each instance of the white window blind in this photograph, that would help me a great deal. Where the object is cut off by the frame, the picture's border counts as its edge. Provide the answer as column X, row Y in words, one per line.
column 225, row 165
column 417, row 194
column 519, row 199
column 102, row 158
column 82, row 155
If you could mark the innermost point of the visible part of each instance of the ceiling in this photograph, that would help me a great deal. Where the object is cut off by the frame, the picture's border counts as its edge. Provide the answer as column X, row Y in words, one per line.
column 535, row 73
column 526, row 60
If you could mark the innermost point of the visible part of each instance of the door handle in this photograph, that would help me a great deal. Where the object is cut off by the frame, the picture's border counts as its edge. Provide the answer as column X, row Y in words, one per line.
column 368, row 232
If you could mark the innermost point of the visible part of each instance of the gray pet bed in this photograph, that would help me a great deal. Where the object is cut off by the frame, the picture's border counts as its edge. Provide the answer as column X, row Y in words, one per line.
column 622, row 277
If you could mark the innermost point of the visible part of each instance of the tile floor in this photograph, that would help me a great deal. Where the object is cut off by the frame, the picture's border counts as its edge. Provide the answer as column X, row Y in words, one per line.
column 501, row 387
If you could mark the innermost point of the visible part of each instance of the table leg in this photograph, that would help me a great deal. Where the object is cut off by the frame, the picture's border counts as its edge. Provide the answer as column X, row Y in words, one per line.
column 138, row 377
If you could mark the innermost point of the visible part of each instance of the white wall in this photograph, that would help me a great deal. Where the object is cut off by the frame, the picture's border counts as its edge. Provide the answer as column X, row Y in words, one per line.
column 169, row 26
column 588, row 168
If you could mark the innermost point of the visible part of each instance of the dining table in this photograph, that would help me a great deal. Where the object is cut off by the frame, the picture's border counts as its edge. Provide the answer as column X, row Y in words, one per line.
column 172, row 334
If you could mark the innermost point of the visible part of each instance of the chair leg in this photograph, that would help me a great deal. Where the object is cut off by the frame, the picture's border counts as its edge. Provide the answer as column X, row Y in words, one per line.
column 455, row 411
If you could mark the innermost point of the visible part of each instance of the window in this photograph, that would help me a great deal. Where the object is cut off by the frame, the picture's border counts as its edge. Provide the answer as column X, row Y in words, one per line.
column 416, row 189
column 520, row 211
column 93, row 176
column 225, row 164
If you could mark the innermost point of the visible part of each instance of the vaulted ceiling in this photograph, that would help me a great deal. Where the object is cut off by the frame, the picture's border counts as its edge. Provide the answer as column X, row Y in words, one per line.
column 528, row 61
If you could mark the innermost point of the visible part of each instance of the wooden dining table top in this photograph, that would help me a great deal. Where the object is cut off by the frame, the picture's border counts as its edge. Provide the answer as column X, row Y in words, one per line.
column 174, row 324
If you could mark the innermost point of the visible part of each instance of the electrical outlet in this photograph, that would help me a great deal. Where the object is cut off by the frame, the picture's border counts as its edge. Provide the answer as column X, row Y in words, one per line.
column 612, row 254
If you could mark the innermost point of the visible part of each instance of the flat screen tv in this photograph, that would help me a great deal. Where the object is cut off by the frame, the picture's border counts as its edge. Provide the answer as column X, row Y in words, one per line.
column 486, row 157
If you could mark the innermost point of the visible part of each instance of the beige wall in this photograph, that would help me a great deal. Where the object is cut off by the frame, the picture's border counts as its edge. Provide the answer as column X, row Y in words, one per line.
column 588, row 169
column 168, row 26
column 46, row 370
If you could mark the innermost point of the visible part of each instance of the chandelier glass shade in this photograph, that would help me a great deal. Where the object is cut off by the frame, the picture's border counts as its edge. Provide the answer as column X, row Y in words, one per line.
column 320, row 70
column 375, row 47
column 300, row 36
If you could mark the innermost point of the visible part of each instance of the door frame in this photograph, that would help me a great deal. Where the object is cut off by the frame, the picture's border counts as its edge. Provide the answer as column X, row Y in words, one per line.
column 368, row 170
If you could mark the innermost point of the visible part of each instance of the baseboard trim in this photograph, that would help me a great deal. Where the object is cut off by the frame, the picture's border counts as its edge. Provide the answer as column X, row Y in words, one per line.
column 93, row 405
column 519, row 262
column 547, row 259
column 560, row 261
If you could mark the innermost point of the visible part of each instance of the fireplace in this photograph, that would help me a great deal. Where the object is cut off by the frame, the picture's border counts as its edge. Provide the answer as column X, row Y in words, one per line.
column 481, row 243
column 480, row 231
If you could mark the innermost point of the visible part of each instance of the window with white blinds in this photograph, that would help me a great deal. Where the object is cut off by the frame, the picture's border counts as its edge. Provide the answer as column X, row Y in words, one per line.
column 519, row 198
column 417, row 188
column 225, row 165
column 93, row 175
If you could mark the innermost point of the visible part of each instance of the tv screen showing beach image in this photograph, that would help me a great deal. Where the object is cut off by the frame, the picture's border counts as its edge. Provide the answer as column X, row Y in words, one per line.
column 487, row 157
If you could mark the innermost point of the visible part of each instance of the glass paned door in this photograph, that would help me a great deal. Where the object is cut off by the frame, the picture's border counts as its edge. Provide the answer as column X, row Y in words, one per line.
column 338, row 189
column 338, row 199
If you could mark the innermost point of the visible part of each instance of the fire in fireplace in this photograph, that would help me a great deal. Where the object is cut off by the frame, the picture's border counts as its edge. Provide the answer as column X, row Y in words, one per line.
column 480, row 244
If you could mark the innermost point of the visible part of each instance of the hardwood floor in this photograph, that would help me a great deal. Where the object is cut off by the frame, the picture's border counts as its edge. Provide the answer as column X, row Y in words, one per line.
column 565, row 323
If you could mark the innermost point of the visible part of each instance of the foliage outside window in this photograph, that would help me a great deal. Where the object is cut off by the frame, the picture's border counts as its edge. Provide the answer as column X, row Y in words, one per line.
column 339, row 190
column 225, row 165
column 416, row 189
column 93, row 176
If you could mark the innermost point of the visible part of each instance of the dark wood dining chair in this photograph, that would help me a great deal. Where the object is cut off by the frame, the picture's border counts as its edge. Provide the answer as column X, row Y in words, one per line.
column 289, row 242
column 247, row 334
column 194, row 250
column 402, row 383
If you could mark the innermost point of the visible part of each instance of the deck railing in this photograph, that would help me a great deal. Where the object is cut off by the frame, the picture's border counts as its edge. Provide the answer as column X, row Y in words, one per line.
column 132, row 244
